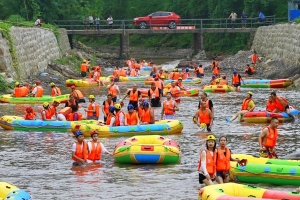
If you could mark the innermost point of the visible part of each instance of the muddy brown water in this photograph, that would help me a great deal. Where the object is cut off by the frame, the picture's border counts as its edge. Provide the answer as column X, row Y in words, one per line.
column 40, row 162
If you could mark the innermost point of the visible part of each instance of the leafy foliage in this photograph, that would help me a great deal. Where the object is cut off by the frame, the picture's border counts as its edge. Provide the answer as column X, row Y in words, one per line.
column 51, row 10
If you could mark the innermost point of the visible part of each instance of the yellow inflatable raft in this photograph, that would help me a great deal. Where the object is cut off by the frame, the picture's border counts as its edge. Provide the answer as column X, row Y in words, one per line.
column 217, row 88
column 148, row 149
column 10, row 191
column 7, row 98
column 162, row 127
column 234, row 191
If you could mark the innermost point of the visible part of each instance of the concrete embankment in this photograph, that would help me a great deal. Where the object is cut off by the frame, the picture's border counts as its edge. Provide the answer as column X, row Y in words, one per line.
column 33, row 49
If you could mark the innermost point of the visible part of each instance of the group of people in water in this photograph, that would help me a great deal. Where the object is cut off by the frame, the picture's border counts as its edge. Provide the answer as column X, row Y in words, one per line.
column 214, row 163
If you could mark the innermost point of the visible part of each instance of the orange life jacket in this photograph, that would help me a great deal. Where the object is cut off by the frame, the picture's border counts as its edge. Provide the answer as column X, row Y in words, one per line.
column 116, row 73
column 81, row 152
column 133, row 72
column 108, row 119
column 279, row 105
column 65, row 111
column 25, row 91
column 179, row 84
column 132, row 118
column 245, row 104
column 91, row 73
column 270, row 106
column 171, row 75
column 216, row 70
column 39, row 92
column 175, row 91
column 154, row 94
column 77, row 94
column 106, row 106
column 235, row 79
column 176, row 75
column 254, row 58
column 158, row 84
column 55, row 91
column 210, row 162
column 154, row 69
column 140, row 111
column 113, row 90
column 223, row 162
column 118, row 122
column 52, row 109
column 17, row 92
column 95, row 152
column 223, row 82
column 84, row 67
column 204, row 117
column 70, row 117
column 271, row 137
column 97, row 110
column 251, row 69
column 29, row 116
column 167, row 107
column 146, row 116
column 48, row 114
column 133, row 96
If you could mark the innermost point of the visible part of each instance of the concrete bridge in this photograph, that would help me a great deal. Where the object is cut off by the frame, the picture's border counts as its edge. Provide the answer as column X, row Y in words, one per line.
column 197, row 27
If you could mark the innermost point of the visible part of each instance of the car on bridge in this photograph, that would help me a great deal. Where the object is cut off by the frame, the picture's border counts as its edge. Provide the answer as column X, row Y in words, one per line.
column 160, row 18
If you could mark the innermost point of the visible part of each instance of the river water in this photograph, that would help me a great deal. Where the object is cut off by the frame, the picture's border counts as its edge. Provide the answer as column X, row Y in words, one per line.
column 40, row 162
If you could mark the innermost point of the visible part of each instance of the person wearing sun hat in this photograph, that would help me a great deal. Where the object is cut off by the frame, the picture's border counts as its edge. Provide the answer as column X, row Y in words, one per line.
column 247, row 106
column 207, row 161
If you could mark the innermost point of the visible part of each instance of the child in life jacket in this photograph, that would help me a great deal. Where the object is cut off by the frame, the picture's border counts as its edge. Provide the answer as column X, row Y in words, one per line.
column 30, row 114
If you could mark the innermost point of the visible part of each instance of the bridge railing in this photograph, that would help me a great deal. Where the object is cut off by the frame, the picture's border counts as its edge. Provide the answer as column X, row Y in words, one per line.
column 196, row 23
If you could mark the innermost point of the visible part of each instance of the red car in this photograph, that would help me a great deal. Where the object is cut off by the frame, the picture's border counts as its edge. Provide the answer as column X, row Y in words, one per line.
column 160, row 18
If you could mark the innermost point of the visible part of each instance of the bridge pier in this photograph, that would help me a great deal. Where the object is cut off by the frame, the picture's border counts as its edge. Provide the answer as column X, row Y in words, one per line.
column 198, row 42
column 124, row 45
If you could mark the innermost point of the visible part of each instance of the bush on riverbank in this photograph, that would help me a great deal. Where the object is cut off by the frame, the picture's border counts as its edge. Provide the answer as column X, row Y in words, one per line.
column 4, row 86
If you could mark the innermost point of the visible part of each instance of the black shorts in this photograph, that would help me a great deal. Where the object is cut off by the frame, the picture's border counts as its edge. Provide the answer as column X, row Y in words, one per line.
column 207, row 128
column 201, row 178
column 286, row 107
column 114, row 99
column 223, row 174
column 81, row 100
column 155, row 102
column 134, row 103
column 237, row 85
column 83, row 74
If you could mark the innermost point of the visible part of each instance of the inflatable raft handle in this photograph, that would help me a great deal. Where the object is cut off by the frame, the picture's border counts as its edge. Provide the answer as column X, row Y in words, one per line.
column 252, row 186
column 8, row 187
column 221, row 190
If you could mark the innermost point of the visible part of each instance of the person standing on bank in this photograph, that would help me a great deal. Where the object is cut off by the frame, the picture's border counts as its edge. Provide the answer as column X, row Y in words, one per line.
column 244, row 17
column 97, row 20
column 110, row 21
column 233, row 17
column 91, row 21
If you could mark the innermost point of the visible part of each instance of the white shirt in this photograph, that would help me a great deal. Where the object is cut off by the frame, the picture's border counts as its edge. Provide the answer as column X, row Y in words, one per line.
column 110, row 20
column 74, row 146
column 122, row 119
column 103, row 151
column 91, row 19
column 233, row 16
column 34, row 91
column 112, row 121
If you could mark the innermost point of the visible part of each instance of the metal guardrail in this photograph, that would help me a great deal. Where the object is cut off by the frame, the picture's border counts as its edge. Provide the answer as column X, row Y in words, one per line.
column 197, row 23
